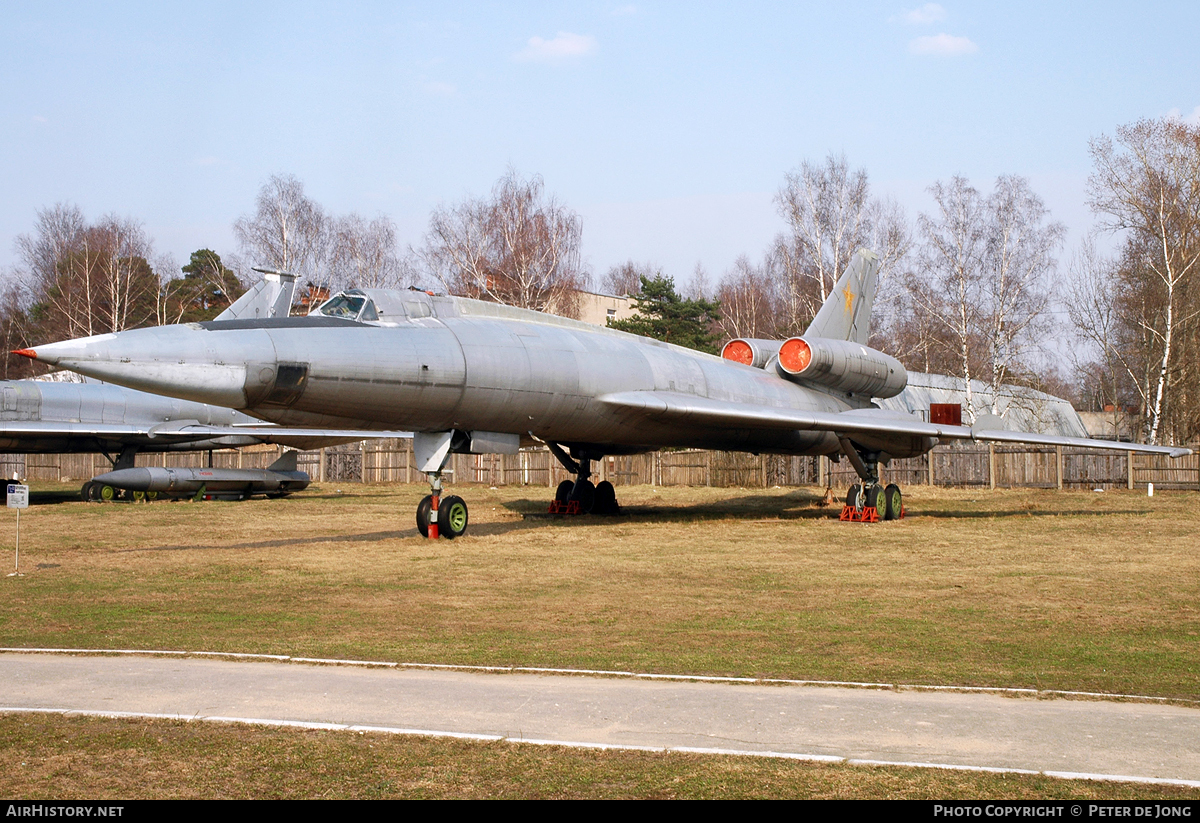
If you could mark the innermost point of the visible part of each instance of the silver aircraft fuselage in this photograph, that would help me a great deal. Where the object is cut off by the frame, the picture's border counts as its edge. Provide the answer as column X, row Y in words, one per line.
column 432, row 363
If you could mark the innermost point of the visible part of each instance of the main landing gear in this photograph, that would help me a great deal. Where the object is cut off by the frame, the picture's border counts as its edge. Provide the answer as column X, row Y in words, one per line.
column 581, row 496
column 869, row 501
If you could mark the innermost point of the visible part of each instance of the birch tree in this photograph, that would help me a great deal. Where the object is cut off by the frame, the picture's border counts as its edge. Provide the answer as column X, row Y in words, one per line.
column 87, row 279
column 1146, row 186
column 830, row 215
column 949, row 289
column 362, row 253
column 748, row 301
column 1018, row 257
column 288, row 231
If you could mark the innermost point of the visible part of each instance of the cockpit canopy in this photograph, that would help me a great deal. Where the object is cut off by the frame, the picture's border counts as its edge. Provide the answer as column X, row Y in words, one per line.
column 350, row 305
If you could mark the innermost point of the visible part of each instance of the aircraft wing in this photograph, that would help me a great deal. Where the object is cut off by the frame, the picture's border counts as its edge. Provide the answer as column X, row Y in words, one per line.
column 185, row 431
column 687, row 409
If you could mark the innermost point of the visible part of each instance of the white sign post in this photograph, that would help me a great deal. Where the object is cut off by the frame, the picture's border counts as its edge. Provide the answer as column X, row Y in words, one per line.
column 18, row 498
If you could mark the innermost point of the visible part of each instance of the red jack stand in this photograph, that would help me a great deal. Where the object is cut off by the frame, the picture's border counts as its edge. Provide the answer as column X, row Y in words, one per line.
column 867, row 514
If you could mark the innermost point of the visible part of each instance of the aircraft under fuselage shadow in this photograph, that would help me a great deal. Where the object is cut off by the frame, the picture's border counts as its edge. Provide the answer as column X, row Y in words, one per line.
column 472, row 377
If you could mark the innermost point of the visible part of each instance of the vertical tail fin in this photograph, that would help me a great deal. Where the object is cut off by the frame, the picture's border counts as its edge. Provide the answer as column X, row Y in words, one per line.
column 269, row 297
column 286, row 463
column 846, row 313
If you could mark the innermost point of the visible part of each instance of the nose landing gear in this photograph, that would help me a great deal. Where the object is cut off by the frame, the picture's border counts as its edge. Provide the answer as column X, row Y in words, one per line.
column 438, row 516
column 451, row 519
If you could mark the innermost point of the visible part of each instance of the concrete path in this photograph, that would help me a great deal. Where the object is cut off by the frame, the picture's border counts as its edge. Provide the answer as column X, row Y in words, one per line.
column 1079, row 737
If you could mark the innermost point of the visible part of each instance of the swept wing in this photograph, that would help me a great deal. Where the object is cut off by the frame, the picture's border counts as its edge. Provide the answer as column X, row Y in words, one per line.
column 685, row 409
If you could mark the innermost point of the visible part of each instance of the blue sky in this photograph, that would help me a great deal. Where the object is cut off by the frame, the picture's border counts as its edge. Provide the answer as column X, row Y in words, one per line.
column 667, row 126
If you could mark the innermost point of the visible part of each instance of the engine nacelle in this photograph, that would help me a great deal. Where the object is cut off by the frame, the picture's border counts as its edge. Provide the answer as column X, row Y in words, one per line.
column 841, row 365
column 751, row 351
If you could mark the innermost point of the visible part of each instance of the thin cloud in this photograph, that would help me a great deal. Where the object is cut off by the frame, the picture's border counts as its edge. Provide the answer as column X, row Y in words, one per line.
column 923, row 16
column 437, row 88
column 942, row 45
column 564, row 46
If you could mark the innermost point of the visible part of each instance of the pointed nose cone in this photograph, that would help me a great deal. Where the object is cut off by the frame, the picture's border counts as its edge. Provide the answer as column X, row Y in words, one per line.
column 188, row 361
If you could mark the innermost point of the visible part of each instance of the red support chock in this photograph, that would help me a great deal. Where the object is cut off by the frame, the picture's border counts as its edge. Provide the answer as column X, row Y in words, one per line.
column 567, row 507
column 867, row 514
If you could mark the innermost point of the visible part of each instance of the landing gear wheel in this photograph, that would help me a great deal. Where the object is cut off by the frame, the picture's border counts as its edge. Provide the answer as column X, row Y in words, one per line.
column 423, row 515
column 606, row 499
column 895, row 502
column 585, row 493
column 854, row 497
column 452, row 517
column 107, row 494
column 138, row 497
column 86, row 491
column 563, row 493
column 878, row 500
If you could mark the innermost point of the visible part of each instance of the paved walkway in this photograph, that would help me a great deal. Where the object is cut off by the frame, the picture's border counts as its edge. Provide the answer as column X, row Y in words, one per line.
column 1079, row 737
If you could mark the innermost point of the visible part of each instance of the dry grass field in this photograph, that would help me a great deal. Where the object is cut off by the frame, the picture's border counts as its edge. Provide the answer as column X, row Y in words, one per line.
column 1038, row 589
column 53, row 758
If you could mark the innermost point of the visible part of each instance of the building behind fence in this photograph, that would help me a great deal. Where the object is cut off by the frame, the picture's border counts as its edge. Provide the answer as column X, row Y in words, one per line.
column 391, row 461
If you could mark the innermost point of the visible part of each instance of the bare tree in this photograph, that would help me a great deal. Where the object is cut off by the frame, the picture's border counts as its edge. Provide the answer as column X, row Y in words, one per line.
column 626, row 279
column 287, row 231
column 951, row 262
column 982, row 266
column 830, row 215
column 1146, row 185
column 362, row 253
column 1018, row 257
column 14, row 329
column 87, row 279
column 57, row 234
column 518, row 247
column 749, row 304
column 1093, row 303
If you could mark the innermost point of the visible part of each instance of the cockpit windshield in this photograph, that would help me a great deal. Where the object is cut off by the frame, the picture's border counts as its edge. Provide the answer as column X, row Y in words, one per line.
column 350, row 306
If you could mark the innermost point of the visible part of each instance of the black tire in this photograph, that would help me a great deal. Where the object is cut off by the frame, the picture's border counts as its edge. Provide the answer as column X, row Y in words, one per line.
column 878, row 500
column 452, row 517
column 852, row 496
column 423, row 515
column 606, row 499
column 585, row 493
column 563, row 493
column 895, row 501
column 86, row 491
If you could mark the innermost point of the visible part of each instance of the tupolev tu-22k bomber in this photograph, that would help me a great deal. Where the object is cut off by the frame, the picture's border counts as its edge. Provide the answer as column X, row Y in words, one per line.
column 474, row 377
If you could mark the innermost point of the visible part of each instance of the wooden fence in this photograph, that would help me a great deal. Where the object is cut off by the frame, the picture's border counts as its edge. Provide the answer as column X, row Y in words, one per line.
column 391, row 461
